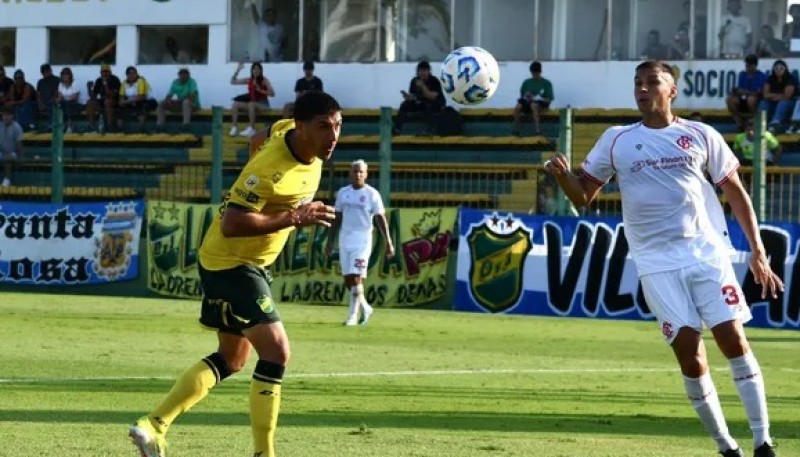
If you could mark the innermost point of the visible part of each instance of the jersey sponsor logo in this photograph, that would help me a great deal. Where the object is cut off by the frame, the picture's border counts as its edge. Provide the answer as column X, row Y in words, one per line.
column 276, row 178
column 249, row 197
column 251, row 182
column 499, row 247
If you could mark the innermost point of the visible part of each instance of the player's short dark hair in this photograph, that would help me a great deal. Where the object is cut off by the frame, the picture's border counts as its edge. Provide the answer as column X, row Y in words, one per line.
column 314, row 103
column 656, row 65
column 535, row 67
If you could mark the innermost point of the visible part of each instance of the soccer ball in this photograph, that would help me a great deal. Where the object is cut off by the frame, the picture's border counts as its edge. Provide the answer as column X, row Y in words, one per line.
column 470, row 75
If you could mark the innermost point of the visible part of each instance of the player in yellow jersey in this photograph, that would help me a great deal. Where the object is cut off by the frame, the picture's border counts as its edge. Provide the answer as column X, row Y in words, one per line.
column 272, row 195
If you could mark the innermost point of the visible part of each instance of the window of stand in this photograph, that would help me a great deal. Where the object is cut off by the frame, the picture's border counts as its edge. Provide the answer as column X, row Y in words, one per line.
column 263, row 31
column 173, row 45
column 8, row 47
column 82, row 45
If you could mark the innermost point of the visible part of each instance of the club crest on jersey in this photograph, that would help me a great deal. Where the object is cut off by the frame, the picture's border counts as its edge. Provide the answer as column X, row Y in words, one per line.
column 685, row 142
column 276, row 178
column 265, row 303
column 498, row 247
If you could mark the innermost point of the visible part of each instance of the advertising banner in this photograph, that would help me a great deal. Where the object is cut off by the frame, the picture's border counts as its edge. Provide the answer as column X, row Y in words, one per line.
column 303, row 273
column 69, row 244
column 564, row 266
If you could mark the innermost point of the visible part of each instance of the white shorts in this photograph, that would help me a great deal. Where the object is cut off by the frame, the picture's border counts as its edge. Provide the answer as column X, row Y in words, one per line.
column 706, row 293
column 355, row 259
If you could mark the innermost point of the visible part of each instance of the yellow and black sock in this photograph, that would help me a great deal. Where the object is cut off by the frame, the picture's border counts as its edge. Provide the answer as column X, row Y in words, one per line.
column 265, row 402
column 190, row 387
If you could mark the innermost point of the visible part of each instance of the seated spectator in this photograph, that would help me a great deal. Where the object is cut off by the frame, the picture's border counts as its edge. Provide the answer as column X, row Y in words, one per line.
column 172, row 53
column 46, row 92
column 424, row 97
column 134, row 98
column 183, row 96
column 778, row 96
column 743, row 99
column 655, row 49
column 743, row 146
column 768, row 45
column 259, row 90
column 10, row 145
column 23, row 101
column 535, row 96
column 305, row 84
column 68, row 98
column 5, row 87
column 103, row 95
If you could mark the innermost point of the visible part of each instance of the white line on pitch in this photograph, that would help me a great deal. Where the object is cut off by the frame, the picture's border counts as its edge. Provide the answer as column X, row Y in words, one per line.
column 371, row 374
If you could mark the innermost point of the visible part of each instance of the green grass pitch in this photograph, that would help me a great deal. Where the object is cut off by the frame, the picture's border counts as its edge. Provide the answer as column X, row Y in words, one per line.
column 76, row 370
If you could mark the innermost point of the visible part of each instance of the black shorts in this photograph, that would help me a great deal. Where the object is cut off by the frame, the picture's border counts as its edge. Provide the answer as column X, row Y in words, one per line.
column 526, row 105
column 236, row 299
column 742, row 104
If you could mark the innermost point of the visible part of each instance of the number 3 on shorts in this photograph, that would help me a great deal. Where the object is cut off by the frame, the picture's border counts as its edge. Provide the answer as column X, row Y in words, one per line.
column 731, row 297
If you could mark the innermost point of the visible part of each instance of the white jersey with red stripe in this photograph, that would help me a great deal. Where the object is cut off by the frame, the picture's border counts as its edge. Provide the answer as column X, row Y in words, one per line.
column 357, row 206
column 671, row 213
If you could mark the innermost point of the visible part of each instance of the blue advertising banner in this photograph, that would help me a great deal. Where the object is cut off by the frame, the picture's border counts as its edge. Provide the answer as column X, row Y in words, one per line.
column 69, row 244
column 565, row 266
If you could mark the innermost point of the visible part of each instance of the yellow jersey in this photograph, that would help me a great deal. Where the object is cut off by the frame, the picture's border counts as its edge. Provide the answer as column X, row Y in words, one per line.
column 273, row 181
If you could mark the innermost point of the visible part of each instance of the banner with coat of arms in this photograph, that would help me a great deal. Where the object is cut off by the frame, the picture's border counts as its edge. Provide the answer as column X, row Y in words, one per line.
column 303, row 273
column 566, row 266
column 69, row 244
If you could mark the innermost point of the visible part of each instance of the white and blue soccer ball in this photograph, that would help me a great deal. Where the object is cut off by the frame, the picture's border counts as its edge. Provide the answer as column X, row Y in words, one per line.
column 470, row 75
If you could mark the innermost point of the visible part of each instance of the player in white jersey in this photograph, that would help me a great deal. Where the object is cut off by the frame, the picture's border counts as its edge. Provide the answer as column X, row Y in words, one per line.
column 356, row 205
column 679, row 243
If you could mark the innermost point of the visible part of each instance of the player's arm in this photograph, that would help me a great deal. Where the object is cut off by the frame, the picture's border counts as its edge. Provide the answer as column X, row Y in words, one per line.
column 383, row 226
column 742, row 209
column 580, row 189
column 241, row 221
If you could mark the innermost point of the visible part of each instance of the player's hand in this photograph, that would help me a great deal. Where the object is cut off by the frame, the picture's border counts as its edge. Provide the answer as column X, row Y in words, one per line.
column 762, row 274
column 558, row 165
column 314, row 213
column 389, row 250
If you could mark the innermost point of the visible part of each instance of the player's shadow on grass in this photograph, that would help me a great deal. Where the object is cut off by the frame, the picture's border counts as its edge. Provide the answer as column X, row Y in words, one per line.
column 633, row 424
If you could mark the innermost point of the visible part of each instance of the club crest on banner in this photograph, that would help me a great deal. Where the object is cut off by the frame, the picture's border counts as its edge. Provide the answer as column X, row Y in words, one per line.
column 112, row 255
column 498, row 246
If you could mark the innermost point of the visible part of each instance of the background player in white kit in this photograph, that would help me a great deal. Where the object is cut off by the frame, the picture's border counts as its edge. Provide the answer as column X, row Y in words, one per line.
column 356, row 205
column 679, row 243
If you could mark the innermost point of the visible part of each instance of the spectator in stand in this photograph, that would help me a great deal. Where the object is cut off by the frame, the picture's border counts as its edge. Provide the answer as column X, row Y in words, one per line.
column 10, row 145
column 743, row 146
column 46, row 92
column 535, row 96
column 103, row 94
column 424, row 96
column 768, row 45
column 134, row 98
column 655, row 49
column 792, row 28
column 173, row 54
column 68, row 98
column 736, row 34
column 23, row 101
column 271, row 36
column 183, row 96
column 778, row 96
column 5, row 87
column 743, row 99
column 305, row 84
column 259, row 90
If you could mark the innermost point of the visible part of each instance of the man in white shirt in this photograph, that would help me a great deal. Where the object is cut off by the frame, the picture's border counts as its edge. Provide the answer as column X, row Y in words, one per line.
column 10, row 144
column 271, row 36
column 679, row 245
column 356, row 205
column 736, row 32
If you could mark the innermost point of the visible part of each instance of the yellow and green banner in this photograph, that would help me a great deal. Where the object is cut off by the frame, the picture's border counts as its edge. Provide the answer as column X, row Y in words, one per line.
column 303, row 273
